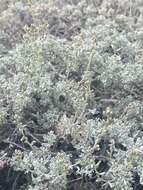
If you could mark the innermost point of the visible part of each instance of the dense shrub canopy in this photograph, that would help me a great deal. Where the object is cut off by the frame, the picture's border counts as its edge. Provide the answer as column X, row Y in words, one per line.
column 71, row 94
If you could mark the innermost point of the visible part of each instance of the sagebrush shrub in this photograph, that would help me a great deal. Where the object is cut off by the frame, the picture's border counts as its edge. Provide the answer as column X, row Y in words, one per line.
column 71, row 111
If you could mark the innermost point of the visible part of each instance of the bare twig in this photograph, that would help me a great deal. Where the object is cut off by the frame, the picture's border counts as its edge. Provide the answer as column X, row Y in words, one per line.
column 13, row 143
